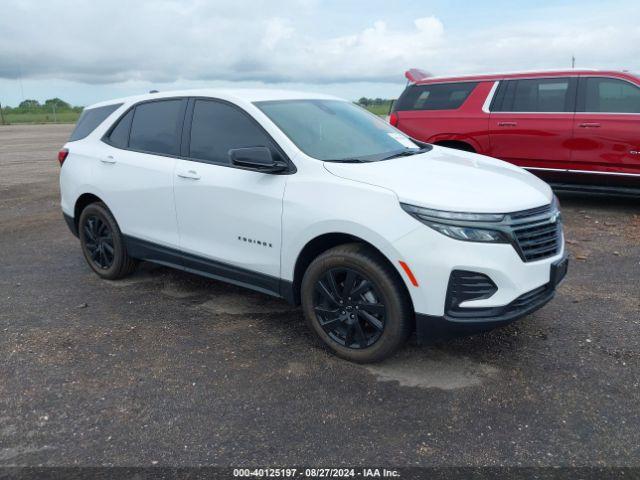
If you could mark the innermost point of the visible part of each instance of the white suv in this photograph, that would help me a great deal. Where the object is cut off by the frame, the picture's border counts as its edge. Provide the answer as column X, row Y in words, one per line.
column 315, row 200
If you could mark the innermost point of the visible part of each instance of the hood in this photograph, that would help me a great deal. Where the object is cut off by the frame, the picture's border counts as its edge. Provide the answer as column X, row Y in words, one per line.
column 453, row 180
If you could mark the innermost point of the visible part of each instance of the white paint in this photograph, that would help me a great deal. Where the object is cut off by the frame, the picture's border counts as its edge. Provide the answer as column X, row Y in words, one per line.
column 206, row 216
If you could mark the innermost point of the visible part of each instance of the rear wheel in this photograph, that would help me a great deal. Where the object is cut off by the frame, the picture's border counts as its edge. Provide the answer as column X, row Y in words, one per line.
column 102, row 243
column 354, row 301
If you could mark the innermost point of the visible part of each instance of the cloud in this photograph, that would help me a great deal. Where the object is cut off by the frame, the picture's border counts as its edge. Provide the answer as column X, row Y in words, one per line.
column 377, row 53
column 168, row 41
column 277, row 31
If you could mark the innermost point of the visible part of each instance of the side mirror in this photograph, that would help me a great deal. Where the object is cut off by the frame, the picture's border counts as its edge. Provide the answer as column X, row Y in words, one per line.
column 256, row 158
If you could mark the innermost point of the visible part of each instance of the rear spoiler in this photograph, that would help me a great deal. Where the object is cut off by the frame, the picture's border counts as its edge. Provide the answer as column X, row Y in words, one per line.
column 415, row 75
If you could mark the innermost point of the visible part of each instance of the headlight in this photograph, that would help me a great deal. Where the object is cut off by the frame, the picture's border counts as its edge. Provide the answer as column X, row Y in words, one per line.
column 467, row 233
column 470, row 227
column 429, row 214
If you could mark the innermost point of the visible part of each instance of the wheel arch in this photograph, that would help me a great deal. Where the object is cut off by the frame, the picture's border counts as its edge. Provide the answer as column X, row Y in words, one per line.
column 81, row 203
column 466, row 145
column 320, row 244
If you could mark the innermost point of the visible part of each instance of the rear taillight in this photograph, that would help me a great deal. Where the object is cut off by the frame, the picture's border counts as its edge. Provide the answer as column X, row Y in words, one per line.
column 62, row 155
column 393, row 119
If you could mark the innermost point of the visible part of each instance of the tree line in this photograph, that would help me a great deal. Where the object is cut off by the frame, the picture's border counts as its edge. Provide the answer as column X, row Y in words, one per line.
column 370, row 102
column 50, row 105
column 59, row 105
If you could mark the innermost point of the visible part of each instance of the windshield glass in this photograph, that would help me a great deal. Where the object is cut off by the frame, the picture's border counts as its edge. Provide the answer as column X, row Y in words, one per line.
column 335, row 130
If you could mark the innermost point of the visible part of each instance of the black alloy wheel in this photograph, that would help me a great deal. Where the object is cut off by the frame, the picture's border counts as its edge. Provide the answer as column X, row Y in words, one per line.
column 355, row 301
column 349, row 308
column 99, row 242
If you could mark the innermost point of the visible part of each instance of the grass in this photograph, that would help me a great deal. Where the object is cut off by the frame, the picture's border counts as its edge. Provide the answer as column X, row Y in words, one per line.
column 40, row 117
column 380, row 109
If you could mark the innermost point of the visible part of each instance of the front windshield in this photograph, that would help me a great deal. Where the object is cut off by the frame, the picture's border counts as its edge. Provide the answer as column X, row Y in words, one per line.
column 335, row 130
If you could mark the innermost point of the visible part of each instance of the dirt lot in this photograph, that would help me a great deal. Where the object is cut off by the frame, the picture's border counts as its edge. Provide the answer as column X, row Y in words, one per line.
column 171, row 368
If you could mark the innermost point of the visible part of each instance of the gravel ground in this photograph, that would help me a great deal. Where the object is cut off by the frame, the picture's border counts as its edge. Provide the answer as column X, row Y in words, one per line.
column 166, row 368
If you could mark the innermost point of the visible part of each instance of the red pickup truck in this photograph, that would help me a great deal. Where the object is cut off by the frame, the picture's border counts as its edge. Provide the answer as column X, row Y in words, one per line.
column 577, row 129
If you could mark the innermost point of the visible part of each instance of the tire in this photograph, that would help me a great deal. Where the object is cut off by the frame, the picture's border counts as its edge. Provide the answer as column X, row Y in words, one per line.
column 373, row 320
column 98, row 230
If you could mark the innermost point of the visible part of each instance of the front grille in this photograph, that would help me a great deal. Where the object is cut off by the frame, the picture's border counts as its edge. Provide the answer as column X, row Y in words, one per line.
column 537, row 233
column 524, row 214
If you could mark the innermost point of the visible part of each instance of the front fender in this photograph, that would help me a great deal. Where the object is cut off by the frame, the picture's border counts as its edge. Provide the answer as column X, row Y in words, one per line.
column 297, row 244
column 366, row 212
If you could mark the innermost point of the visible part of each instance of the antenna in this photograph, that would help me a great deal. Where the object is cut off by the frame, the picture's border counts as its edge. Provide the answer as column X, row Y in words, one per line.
column 573, row 61
column 20, row 79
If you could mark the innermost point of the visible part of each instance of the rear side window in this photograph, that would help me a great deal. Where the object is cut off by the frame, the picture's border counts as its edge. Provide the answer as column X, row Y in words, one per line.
column 610, row 95
column 155, row 127
column 535, row 95
column 218, row 127
column 119, row 136
column 90, row 119
column 443, row 96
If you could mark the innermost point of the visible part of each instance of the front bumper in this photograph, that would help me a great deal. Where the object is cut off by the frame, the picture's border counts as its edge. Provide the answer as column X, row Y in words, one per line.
column 432, row 257
column 431, row 327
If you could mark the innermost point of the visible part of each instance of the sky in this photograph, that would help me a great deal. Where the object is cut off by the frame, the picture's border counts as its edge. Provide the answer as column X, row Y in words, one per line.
column 89, row 51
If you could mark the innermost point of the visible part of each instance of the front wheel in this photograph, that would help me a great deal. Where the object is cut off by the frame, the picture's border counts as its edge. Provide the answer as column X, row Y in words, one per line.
column 355, row 302
column 102, row 243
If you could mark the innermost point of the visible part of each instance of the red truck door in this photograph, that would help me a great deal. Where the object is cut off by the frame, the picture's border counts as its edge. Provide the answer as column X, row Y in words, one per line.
column 607, row 126
column 531, row 122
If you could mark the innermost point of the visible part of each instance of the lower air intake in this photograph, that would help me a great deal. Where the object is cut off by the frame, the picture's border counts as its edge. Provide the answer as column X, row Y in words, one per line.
column 465, row 286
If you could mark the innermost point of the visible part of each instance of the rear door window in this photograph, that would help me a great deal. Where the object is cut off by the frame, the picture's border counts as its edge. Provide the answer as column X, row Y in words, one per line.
column 442, row 96
column 90, row 119
column 218, row 127
column 119, row 136
column 609, row 95
column 535, row 95
column 156, row 127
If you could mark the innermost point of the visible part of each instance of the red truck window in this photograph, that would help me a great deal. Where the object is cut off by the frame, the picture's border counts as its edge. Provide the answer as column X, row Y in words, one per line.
column 611, row 95
column 535, row 95
column 441, row 96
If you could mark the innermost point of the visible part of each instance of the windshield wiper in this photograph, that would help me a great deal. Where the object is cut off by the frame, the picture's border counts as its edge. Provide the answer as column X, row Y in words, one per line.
column 406, row 153
column 374, row 158
column 347, row 160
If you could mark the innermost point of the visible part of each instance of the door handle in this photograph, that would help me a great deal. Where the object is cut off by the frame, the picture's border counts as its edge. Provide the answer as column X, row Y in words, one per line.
column 190, row 174
column 589, row 125
column 507, row 124
column 108, row 159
